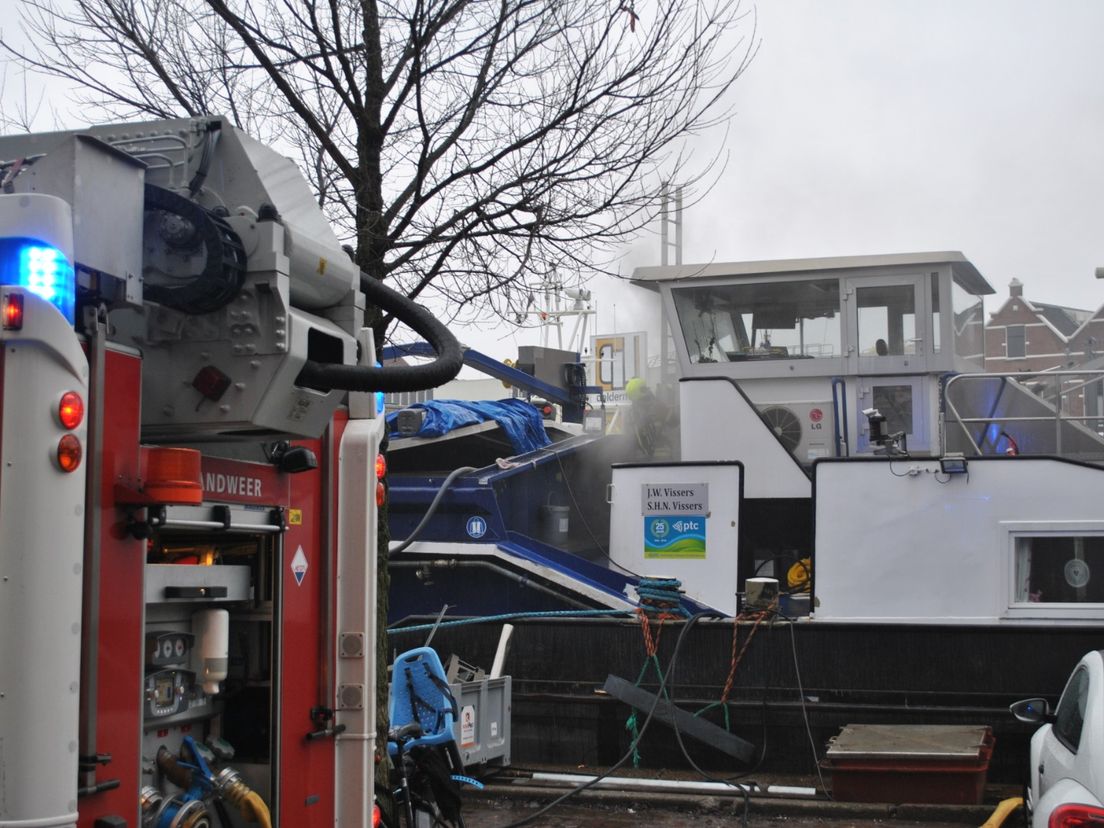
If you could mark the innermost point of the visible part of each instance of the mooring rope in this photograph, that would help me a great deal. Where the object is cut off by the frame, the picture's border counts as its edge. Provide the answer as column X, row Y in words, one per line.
column 511, row 616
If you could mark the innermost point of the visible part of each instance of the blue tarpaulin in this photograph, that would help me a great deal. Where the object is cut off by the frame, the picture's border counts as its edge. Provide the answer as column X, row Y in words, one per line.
column 518, row 418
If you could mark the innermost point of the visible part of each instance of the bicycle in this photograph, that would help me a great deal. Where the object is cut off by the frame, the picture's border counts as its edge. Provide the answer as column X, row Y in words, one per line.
column 425, row 790
column 427, row 767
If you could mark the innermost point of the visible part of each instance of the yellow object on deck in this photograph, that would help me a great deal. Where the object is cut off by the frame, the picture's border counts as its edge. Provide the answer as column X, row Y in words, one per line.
column 1005, row 808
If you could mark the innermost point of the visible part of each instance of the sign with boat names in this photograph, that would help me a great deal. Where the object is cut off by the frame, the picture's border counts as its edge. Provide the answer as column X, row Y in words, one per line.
column 674, row 519
column 675, row 499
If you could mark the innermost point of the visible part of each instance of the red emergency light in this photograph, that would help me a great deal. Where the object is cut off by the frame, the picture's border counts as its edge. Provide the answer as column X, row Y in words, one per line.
column 13, row 312
column 71, row 410
column 381, row 472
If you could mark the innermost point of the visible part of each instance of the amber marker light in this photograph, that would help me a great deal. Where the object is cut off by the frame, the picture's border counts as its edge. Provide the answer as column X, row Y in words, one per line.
column 174, row 475
column 69, row 453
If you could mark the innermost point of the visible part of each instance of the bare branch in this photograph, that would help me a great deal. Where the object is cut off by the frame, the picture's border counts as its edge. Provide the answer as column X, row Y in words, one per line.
column 466, row 148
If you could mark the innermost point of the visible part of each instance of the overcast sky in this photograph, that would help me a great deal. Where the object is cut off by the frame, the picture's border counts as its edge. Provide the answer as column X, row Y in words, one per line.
column 886, row 126
column 893, row 126
column 889, row 126
column 878, row 127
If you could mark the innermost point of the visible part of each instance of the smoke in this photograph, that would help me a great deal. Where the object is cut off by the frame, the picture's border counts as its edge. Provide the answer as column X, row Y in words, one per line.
column 623, row 307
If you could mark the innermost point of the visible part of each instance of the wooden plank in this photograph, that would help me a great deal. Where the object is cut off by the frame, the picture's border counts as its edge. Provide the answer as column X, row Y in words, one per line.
column 687, row 723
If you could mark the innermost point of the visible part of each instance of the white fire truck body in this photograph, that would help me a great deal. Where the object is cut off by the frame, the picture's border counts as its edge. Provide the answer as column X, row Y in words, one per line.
column 187, row 565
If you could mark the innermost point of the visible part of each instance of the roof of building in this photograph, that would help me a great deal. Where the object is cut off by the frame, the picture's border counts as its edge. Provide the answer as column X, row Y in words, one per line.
column 1065, row 320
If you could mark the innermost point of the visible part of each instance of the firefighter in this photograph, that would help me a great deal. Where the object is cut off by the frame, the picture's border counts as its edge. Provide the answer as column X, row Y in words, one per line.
column 649, row 417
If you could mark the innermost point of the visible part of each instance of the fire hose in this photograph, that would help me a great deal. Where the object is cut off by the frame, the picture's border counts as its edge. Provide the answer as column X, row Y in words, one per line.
column 189, row 809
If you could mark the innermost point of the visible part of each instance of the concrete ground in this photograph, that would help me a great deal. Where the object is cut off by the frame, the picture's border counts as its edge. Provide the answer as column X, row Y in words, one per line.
column 508, row 800
column 501, row 816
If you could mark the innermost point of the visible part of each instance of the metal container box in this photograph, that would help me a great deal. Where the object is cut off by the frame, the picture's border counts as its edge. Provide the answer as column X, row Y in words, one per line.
column 482, row 728
column 187, row 583
column 910, row 763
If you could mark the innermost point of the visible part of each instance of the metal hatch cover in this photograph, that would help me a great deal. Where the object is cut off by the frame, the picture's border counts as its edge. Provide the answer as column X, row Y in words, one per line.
column 923, row 742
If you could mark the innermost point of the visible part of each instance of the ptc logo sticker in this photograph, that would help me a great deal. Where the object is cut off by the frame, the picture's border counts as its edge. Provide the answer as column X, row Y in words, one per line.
column 682, row 537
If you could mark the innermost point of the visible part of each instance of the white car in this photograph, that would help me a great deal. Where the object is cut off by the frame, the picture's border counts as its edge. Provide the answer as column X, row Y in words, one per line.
column 1067, row 752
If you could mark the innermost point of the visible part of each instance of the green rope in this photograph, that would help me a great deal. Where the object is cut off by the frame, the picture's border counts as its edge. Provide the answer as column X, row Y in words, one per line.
column 723, row 706
column 631, row 723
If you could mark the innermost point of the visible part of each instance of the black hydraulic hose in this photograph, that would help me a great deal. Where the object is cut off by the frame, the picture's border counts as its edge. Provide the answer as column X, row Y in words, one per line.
column 196, row 184
column 224, row 275
column 323, row 376
column 224, row 270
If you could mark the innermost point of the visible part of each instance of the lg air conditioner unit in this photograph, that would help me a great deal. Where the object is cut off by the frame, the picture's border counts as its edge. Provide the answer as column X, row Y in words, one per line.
column 806, row 429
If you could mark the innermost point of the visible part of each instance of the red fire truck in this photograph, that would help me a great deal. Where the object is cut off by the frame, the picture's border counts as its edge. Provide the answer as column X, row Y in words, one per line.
column 190, row 439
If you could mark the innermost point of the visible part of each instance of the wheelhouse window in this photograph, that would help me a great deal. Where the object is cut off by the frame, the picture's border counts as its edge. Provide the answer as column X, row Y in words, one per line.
column 764, row 321
column 936, row 324
column 887, row 320
column 969, row 324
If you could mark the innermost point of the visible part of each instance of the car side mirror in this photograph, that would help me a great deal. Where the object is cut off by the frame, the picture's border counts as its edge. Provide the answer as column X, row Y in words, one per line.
column 1032, row 711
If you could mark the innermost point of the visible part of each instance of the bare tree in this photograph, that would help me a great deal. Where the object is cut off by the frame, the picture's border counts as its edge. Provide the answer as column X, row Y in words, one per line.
column 464, row 147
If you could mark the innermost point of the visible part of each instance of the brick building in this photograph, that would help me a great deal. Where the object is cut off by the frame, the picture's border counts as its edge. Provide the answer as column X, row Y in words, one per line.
column 1023, row 335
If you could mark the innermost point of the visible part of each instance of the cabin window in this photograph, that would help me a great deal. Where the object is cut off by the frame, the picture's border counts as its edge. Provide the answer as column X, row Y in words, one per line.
column 1059, row 569
column 894, row 402
column 936, row 328
column 887, row 320
column 760, row 321
column 969, row 323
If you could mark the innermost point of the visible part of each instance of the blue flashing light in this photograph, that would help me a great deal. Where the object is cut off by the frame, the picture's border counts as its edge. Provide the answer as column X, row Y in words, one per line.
column 42, row 269
column 992, row 433
column 380, row 403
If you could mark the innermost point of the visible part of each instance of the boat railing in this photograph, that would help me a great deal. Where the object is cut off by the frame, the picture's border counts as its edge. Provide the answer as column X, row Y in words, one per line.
column 1057, row 411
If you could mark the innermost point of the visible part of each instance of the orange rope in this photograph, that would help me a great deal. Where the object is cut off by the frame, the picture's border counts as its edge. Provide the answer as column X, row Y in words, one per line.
column 651, row 643
column 736, row 658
